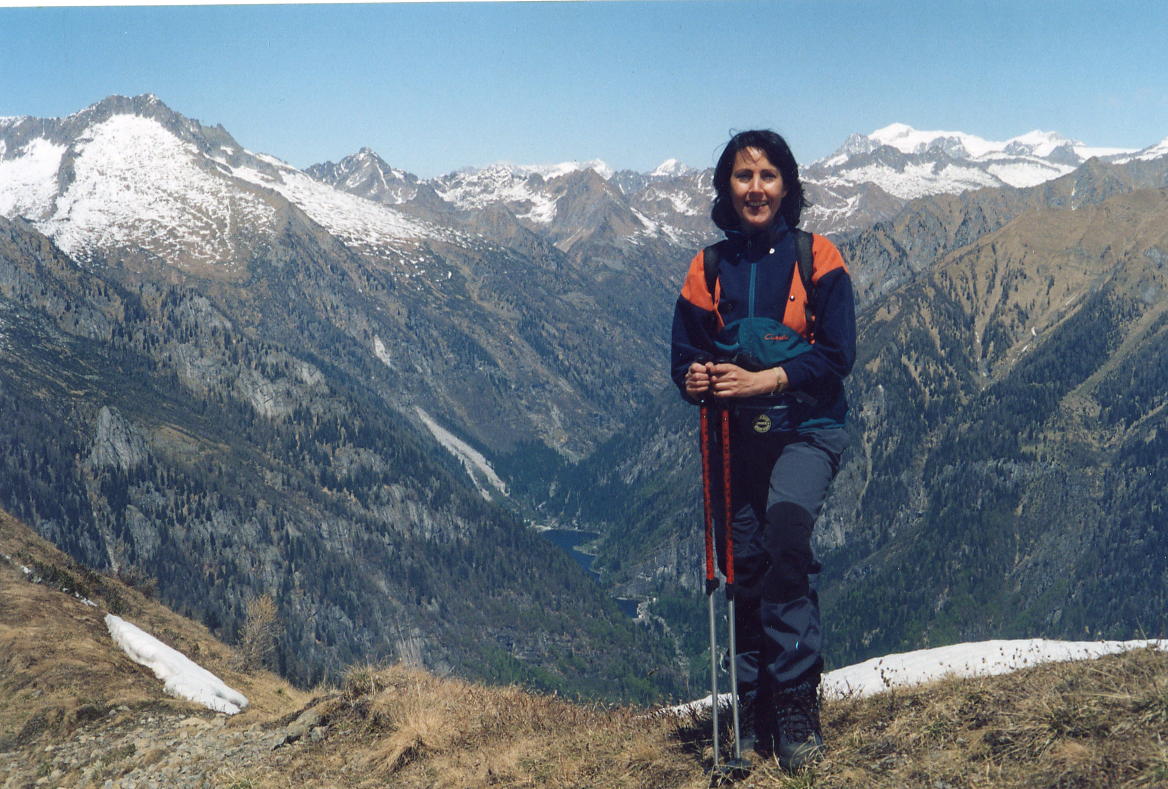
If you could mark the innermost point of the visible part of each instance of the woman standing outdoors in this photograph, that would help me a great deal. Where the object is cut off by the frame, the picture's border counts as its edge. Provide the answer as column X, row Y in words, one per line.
column 750, row 335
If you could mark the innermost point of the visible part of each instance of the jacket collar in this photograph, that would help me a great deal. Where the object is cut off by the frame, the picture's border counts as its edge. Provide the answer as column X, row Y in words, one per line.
column 755, row 245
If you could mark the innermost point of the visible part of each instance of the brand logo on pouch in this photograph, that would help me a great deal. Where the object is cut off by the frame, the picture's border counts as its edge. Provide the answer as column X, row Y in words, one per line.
column 762, row 423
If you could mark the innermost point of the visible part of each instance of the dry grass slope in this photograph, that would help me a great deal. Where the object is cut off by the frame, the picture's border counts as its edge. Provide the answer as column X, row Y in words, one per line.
column 400, row 726
column 59, row 668
column 1099, row 723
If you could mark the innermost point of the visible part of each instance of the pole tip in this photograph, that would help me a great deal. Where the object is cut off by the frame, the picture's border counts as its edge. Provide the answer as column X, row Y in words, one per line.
column 731, row 770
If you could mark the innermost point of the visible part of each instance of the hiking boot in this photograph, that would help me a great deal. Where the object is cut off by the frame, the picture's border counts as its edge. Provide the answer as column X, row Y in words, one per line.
column 747, row 715
column 800, row 740
column 760, row 725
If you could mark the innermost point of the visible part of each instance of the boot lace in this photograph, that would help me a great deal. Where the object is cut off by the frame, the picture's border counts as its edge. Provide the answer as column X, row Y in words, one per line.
column 798, row 712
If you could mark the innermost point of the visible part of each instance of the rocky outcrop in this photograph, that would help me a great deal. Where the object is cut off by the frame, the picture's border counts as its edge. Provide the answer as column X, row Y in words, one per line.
column 116, row 443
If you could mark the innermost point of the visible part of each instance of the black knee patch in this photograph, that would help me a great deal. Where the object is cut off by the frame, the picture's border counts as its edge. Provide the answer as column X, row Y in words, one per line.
column 788, row 543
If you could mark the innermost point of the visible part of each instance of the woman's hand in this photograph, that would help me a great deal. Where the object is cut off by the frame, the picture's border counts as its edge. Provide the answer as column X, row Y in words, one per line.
column 730, row 380
column 697, row 380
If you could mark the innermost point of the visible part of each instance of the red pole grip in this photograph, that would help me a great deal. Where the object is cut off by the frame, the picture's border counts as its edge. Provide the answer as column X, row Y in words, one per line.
column 728, row 513
column 706, row 498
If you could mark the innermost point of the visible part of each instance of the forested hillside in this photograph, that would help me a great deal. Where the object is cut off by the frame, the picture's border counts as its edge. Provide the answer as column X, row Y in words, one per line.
column 151, row 435
column 1012, row 403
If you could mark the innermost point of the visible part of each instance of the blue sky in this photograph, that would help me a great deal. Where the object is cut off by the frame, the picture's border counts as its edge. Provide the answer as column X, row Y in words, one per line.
column 434, row 87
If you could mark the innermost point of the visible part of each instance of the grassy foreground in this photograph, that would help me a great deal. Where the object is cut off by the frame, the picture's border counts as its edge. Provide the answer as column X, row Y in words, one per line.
column 1100, row 723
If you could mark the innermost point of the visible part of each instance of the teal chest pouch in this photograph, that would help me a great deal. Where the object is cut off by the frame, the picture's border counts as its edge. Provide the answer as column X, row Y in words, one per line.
column 756, row 344
column 759, row 343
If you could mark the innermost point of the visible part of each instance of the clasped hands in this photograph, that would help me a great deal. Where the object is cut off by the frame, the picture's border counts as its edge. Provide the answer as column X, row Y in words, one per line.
column 729, row 380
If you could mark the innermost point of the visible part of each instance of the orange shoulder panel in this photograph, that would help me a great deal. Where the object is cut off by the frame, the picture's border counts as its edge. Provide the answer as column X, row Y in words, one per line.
column 826, row 257
column 795, row 314
column 694, row 289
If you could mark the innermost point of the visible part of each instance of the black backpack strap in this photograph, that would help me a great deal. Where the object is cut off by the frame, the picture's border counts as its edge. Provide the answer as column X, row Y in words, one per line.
column 711, row 257
column 806, row 263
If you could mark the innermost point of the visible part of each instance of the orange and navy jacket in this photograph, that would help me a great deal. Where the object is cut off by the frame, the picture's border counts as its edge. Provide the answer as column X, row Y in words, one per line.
column 769, row 262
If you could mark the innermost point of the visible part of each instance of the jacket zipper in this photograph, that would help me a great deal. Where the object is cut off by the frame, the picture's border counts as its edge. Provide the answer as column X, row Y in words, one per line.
column 753, row 279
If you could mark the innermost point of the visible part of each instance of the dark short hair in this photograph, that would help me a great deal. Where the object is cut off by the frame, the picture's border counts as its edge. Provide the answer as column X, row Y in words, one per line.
column 779, row 153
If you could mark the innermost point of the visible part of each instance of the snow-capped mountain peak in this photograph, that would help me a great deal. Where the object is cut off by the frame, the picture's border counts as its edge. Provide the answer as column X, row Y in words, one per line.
column 670, row 168
column 367, row 174
column 133, row 175
column 906, row 163
column 599, row 166
column 908, row 140
column 1038, row 143
column 127, row 180
column 1155, row 151
column 550, row 171
column 523, row 186
column 130, row 173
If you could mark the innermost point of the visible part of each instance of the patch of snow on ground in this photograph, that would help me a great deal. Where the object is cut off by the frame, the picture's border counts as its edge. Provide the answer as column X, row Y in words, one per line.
column 917, row 180
column 470, row 457
column 36, row 579
column 28, row 182
column 359, row 222
column 182, row 676
column 976, row 659
column 682, row 202
column 653, row 229
column 979, row 659
column 834, row 213
column 1027, row 173
column 9, row 559
column 650, row 226
column 543, row 209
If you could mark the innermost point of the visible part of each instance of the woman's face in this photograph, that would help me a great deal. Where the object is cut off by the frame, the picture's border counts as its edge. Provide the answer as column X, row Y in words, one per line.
column 756, row 189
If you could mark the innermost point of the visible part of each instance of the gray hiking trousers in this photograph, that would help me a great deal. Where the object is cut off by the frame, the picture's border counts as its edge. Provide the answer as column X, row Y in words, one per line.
column 778, row 484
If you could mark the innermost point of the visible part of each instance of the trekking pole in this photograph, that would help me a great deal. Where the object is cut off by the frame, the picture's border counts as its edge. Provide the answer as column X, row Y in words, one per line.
column 711, row 577
column 738, row 765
